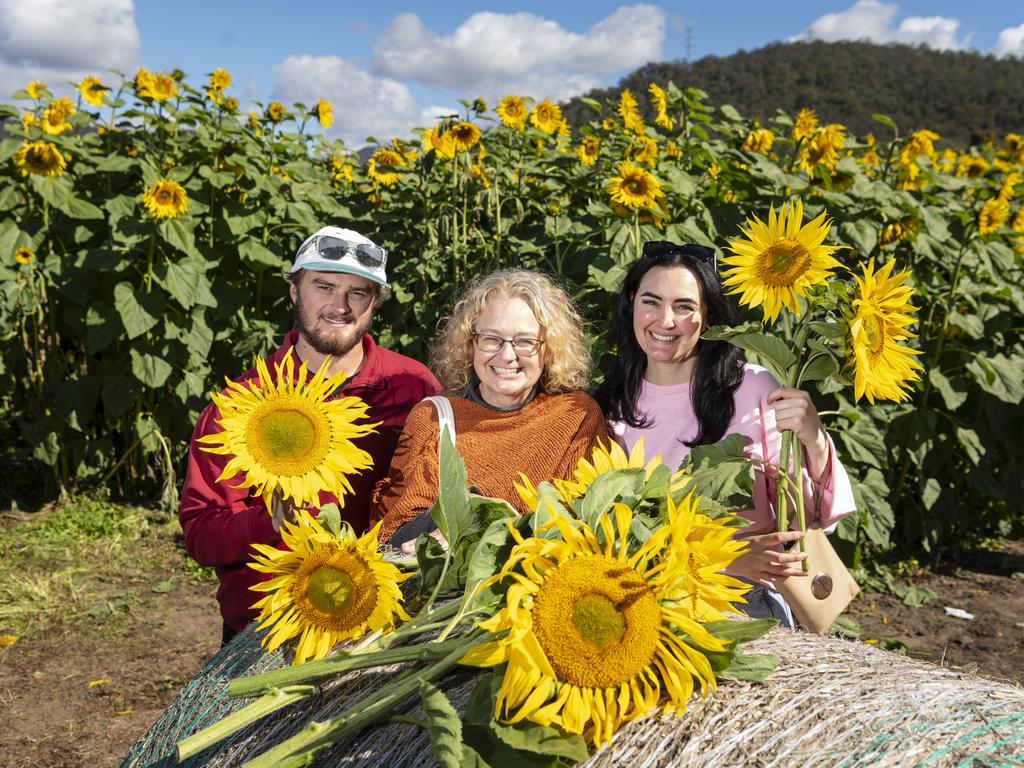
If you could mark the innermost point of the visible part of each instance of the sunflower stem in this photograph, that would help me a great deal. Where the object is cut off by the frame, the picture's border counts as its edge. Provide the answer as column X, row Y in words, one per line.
column 317, row 736
column 314, row 673
column 798, row 479
column 781, row 503
column 275, row 699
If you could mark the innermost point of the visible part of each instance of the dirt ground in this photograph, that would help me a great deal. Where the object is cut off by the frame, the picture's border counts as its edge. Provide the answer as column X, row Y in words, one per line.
column 83, row 697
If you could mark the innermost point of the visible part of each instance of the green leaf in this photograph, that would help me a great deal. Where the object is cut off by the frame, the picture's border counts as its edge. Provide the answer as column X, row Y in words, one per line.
column 451, row 512
column 77, row 208
column 486, row 559
column 624, row 485
column 722, row 475
column 114, row 163
column 181, row 280
column 863, row 442
column 55, row 191
column 139, row 312
column 873, row 508
column 1000, row 375
column 443, row 725
column 821, row 367
column 151, row 370
column 768, row 350
column 953, row 391
column 101, row 327
column 751, row 667
column 162, row 587
column 740, row 631
column 884, row 120
column 179, row 233
column 915, row 596
column 971, row 444
column 118, row 394
column 329, row 517
column 479, row 735
column 259, row 256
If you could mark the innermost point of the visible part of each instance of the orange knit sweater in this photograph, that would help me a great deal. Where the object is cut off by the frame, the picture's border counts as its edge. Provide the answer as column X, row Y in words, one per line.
column 544, row 440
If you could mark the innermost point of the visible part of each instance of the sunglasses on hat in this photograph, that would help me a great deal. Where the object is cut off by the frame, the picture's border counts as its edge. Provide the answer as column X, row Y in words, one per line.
column 703, row 253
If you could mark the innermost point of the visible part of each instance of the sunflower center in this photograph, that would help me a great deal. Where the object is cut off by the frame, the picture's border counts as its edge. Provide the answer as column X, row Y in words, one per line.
column 597, row 621
column 783, row 262
column 874, row 333
column 330, row 590
column 335, row 589
column 288, row 436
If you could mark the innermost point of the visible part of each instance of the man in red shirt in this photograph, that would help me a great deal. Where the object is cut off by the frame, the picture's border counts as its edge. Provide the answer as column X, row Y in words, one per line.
column 338, row 280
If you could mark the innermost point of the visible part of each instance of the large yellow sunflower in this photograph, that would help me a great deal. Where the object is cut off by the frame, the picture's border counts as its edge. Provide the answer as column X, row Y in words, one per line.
column 633, row 187
column 40, row 158
column 286, row 436
column 91, row 90
column 464, row 135
column 36, row 89
column 594, row 629
column 589, row 149
column 166, row 199
column 883, row 368
column 780, row 260
column 324, row 113
column 157, row 86
column 994, row 213
column 382, row 166
column 805, row 124
column 326, row 589
column 630, row 113
column 758, row 141
column 55, row 116
column 513, row 112
column 547, row 116
column 660, row 100
column 219, row 80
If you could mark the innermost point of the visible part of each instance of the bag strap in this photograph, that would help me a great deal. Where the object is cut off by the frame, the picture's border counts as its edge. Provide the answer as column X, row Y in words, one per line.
column 445, row 419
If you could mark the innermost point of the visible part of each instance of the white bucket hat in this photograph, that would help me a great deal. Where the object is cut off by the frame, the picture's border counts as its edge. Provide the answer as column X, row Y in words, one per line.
column 333, row 249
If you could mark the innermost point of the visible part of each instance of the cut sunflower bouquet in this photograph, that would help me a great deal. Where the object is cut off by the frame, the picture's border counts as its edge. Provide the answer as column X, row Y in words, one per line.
column 605, row 604
column 817, row 327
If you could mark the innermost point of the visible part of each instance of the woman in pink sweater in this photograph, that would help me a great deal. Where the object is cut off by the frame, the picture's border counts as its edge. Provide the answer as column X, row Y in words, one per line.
column 677, row 391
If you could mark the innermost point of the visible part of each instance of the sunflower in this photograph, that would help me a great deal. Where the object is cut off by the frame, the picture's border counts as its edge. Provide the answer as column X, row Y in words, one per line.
column 972, row 167
column 325, row 588
column 594, row 630
column 546, row 116
column 512, row 111
column 660, row 99
column 55, row 116
column 275, row 112
column 440, row 141
column 91, row 90
column 589, row 149
column 881, row 315
column 24, row 255
column 286, row 436
column 157, row 86
column 918, row 144
column 758, row 141
column 219, row 80
column 644, row 151
column 382, row 165
column 324, row 113
column 40, row 158
column 35, row 89
column 823, row 148
column 806, row 123
column 634, row 187
column 166, row 199
column 464, row 135
column 890, row 233
column 630, row 114
column 780, row 260
column 1008, row 187
column 994, row 213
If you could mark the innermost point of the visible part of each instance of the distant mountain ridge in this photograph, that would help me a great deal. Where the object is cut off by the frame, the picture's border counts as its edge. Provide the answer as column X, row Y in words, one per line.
column 964, row 97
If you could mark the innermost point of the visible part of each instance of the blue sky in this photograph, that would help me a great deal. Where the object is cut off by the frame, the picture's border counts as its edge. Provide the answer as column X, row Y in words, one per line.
column 387, row 67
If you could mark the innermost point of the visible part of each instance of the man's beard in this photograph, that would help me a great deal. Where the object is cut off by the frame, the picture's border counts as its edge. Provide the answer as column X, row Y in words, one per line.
column 337, row 344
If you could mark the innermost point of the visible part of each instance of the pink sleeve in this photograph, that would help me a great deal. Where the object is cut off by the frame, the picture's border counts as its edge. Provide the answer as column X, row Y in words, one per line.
column 220, row 523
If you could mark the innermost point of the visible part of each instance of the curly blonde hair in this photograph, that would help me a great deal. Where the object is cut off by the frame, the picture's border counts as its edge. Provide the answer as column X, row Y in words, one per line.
column 567, row 363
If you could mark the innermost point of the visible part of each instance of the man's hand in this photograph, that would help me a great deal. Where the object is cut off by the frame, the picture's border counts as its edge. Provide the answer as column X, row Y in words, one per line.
column 281, row 511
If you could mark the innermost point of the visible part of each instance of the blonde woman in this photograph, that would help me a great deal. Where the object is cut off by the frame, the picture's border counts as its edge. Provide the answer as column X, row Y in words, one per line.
column 513, row 362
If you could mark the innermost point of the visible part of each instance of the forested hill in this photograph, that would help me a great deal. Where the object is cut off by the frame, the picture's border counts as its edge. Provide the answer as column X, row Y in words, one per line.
column 964, row 97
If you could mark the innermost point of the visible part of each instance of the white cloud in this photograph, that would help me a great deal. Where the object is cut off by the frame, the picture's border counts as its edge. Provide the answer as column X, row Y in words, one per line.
column 873, row 20
column 1010, row 42
column 56, row 41
column 363, row 104
column 492, row 54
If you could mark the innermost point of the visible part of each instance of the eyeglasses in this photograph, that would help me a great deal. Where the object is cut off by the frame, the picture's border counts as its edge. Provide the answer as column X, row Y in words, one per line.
column 335, row 249
column 521, row 345
column 655, row 248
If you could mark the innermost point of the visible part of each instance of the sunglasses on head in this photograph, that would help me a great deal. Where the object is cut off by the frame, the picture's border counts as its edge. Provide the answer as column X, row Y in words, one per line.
column 335, row 249
column 655, row 248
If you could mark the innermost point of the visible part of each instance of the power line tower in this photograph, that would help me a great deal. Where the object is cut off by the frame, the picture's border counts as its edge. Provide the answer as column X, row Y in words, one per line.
column 688, row 31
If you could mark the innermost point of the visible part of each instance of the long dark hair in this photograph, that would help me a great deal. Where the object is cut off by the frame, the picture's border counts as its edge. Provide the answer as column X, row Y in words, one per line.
column 719, row 368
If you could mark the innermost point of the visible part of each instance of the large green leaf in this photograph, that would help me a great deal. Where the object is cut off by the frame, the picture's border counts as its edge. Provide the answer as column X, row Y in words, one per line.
column 953, row 391
column 625, row 485
column 139, row 311
column 259, row 256
column 451, row 512
column 1000, row 375
column 150, row 369
column 722, row 475
column 179, row 232
column 443, row 725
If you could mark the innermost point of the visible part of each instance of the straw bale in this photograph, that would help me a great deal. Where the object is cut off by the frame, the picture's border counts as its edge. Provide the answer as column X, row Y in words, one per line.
column 830, row 702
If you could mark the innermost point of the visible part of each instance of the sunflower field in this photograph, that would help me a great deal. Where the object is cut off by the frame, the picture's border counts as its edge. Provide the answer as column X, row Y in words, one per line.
column 144, row 226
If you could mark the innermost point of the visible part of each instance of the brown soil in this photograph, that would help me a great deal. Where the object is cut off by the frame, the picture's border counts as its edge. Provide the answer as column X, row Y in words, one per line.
column 53, row 717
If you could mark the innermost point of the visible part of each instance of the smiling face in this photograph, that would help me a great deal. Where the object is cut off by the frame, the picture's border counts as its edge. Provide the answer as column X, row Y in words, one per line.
column 668, row 315
column 507, row 377
column 333, row 310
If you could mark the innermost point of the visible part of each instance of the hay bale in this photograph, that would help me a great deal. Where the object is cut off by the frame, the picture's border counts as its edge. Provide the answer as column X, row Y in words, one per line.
column 831, row 702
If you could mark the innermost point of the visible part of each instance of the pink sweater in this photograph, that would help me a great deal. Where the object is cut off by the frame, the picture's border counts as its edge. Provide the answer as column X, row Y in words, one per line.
column 671, row 412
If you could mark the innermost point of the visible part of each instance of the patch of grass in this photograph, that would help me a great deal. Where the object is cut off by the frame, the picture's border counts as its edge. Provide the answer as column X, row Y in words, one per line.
column 83, row 562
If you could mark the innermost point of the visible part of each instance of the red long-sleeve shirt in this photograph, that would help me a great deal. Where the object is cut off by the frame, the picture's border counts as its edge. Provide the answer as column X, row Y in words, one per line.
column 222, row 523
